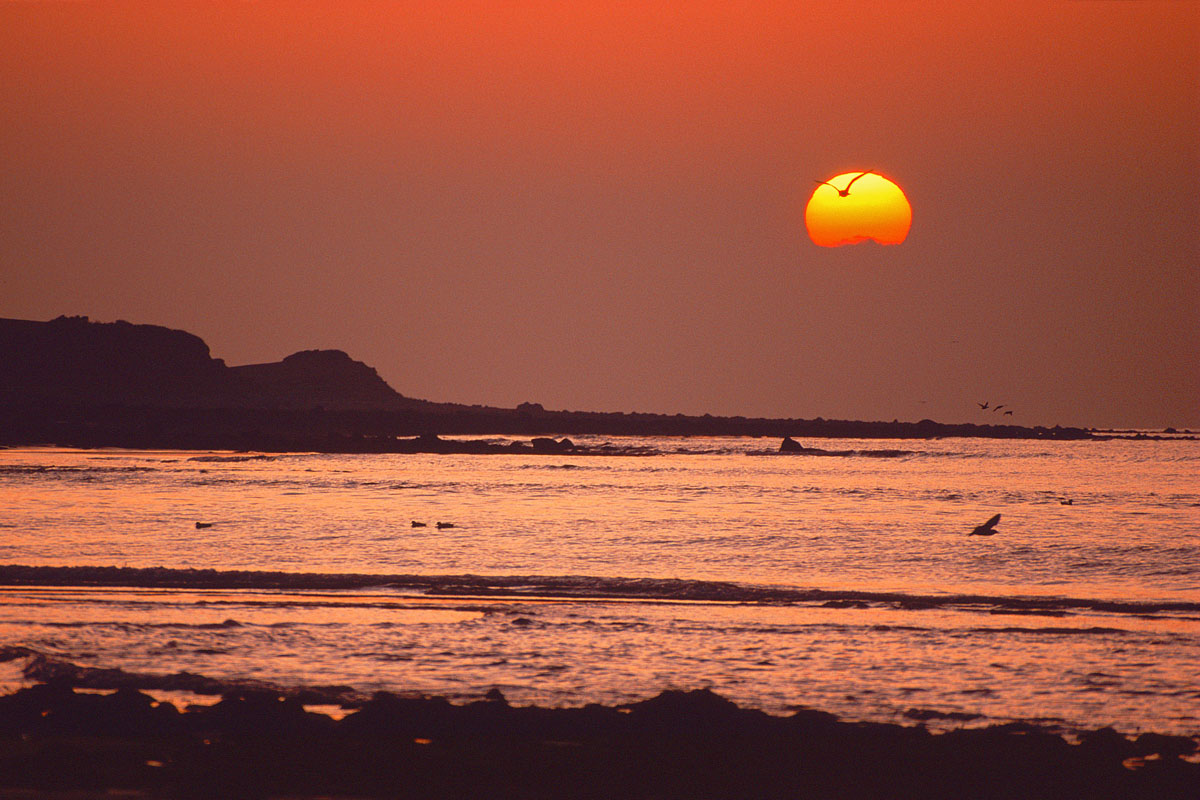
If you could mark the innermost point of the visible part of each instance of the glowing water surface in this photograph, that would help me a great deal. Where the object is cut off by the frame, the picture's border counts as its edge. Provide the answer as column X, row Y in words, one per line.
column 706, row 509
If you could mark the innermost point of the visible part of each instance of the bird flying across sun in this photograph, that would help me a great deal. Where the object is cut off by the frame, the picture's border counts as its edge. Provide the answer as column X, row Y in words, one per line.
column 845, row 192
column 875, row 210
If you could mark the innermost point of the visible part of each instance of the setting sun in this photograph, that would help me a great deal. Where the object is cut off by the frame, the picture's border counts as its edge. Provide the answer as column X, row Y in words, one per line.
column 856, row 206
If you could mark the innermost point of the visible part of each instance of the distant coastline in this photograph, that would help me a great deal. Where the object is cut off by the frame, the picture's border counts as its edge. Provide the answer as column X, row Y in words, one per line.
column 72, row 382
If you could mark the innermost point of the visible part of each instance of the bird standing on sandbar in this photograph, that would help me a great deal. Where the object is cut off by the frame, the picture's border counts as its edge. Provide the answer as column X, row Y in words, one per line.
column 986, row 529
column 844, row 192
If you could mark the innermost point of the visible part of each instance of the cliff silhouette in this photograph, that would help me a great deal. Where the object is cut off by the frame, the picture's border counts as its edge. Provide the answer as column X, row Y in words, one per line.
column 72, row 358
column 74, row 382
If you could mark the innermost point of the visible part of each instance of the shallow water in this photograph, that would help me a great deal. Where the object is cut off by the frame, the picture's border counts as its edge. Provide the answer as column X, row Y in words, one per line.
column 929, row 618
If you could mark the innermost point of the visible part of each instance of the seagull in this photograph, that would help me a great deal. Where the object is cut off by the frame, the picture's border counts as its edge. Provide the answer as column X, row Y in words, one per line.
column 416, row 524
column 986, row 529
column 844, row 192
column 983, row 405
column 997, row 408
column 445, row 525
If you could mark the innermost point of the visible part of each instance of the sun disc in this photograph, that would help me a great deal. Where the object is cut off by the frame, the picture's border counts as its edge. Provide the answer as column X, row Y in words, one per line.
column 874, row 208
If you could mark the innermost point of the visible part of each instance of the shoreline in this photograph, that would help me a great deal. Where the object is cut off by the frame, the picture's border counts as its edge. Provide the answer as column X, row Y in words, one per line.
column 133, row 437
column 257, row 742
column 26, row 668
column 29, row 422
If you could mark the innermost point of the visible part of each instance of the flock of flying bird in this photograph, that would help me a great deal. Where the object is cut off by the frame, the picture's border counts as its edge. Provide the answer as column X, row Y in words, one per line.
column 985, row 406
column 988, row 528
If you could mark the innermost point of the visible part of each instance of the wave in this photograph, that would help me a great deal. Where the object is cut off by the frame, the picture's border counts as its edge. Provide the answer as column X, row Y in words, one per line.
column 130, row 626
column 56, row 469
column 1059, row 631
column 815, row 451
column 563, row 466
column 569, row 586
column 233, row 459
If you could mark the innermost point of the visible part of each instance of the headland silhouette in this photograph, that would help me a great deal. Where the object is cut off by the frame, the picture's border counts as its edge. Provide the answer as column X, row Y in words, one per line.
column 73, row 382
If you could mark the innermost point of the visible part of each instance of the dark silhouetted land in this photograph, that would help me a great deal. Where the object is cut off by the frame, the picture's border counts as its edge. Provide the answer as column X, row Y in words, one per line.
column 73, row 382
column 263, row 743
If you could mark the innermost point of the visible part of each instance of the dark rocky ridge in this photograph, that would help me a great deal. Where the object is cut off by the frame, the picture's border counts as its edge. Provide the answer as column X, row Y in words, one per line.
column 326, row 377
column 73, row 382
column 70, row 358
column 263, row 743
column 74, row 360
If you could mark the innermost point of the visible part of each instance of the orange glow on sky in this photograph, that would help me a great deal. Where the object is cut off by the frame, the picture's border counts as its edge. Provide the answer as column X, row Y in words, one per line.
column 874, row 208
column 276, row 177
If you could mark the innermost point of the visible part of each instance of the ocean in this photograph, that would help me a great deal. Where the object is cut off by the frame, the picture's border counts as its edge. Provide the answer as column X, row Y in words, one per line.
column 845, row 583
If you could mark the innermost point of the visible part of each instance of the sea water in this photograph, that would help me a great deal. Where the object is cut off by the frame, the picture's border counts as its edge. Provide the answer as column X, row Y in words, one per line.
column 841, row 582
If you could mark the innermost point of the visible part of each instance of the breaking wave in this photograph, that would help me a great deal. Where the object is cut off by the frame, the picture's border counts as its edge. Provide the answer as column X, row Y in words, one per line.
column 574, row 586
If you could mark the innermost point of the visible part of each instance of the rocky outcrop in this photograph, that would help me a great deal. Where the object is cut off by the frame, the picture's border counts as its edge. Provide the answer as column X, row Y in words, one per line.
column 261, row 741
column 318, row 377
column 90, row 362
column 545, row 444
column 790, row 445
column 85, row 363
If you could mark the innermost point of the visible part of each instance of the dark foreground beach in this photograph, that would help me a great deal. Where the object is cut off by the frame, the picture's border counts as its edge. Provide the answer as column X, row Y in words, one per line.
column 59, row 742
column 90, row 731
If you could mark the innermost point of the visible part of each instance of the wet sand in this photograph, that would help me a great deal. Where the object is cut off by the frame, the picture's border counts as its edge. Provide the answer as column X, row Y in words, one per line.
column 56, row 741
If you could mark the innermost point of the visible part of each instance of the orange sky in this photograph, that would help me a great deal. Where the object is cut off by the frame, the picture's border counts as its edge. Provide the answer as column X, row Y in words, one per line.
column 600, row 205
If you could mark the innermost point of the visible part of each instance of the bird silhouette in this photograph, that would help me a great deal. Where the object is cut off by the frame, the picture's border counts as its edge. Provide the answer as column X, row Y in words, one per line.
column 1067, row 502
column 1006, row 414
column 844, row 192
column 200, row 525
column 986, row 529
column 983, row 405
column 997, row 408
column 445, row 525
column 416, row 524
